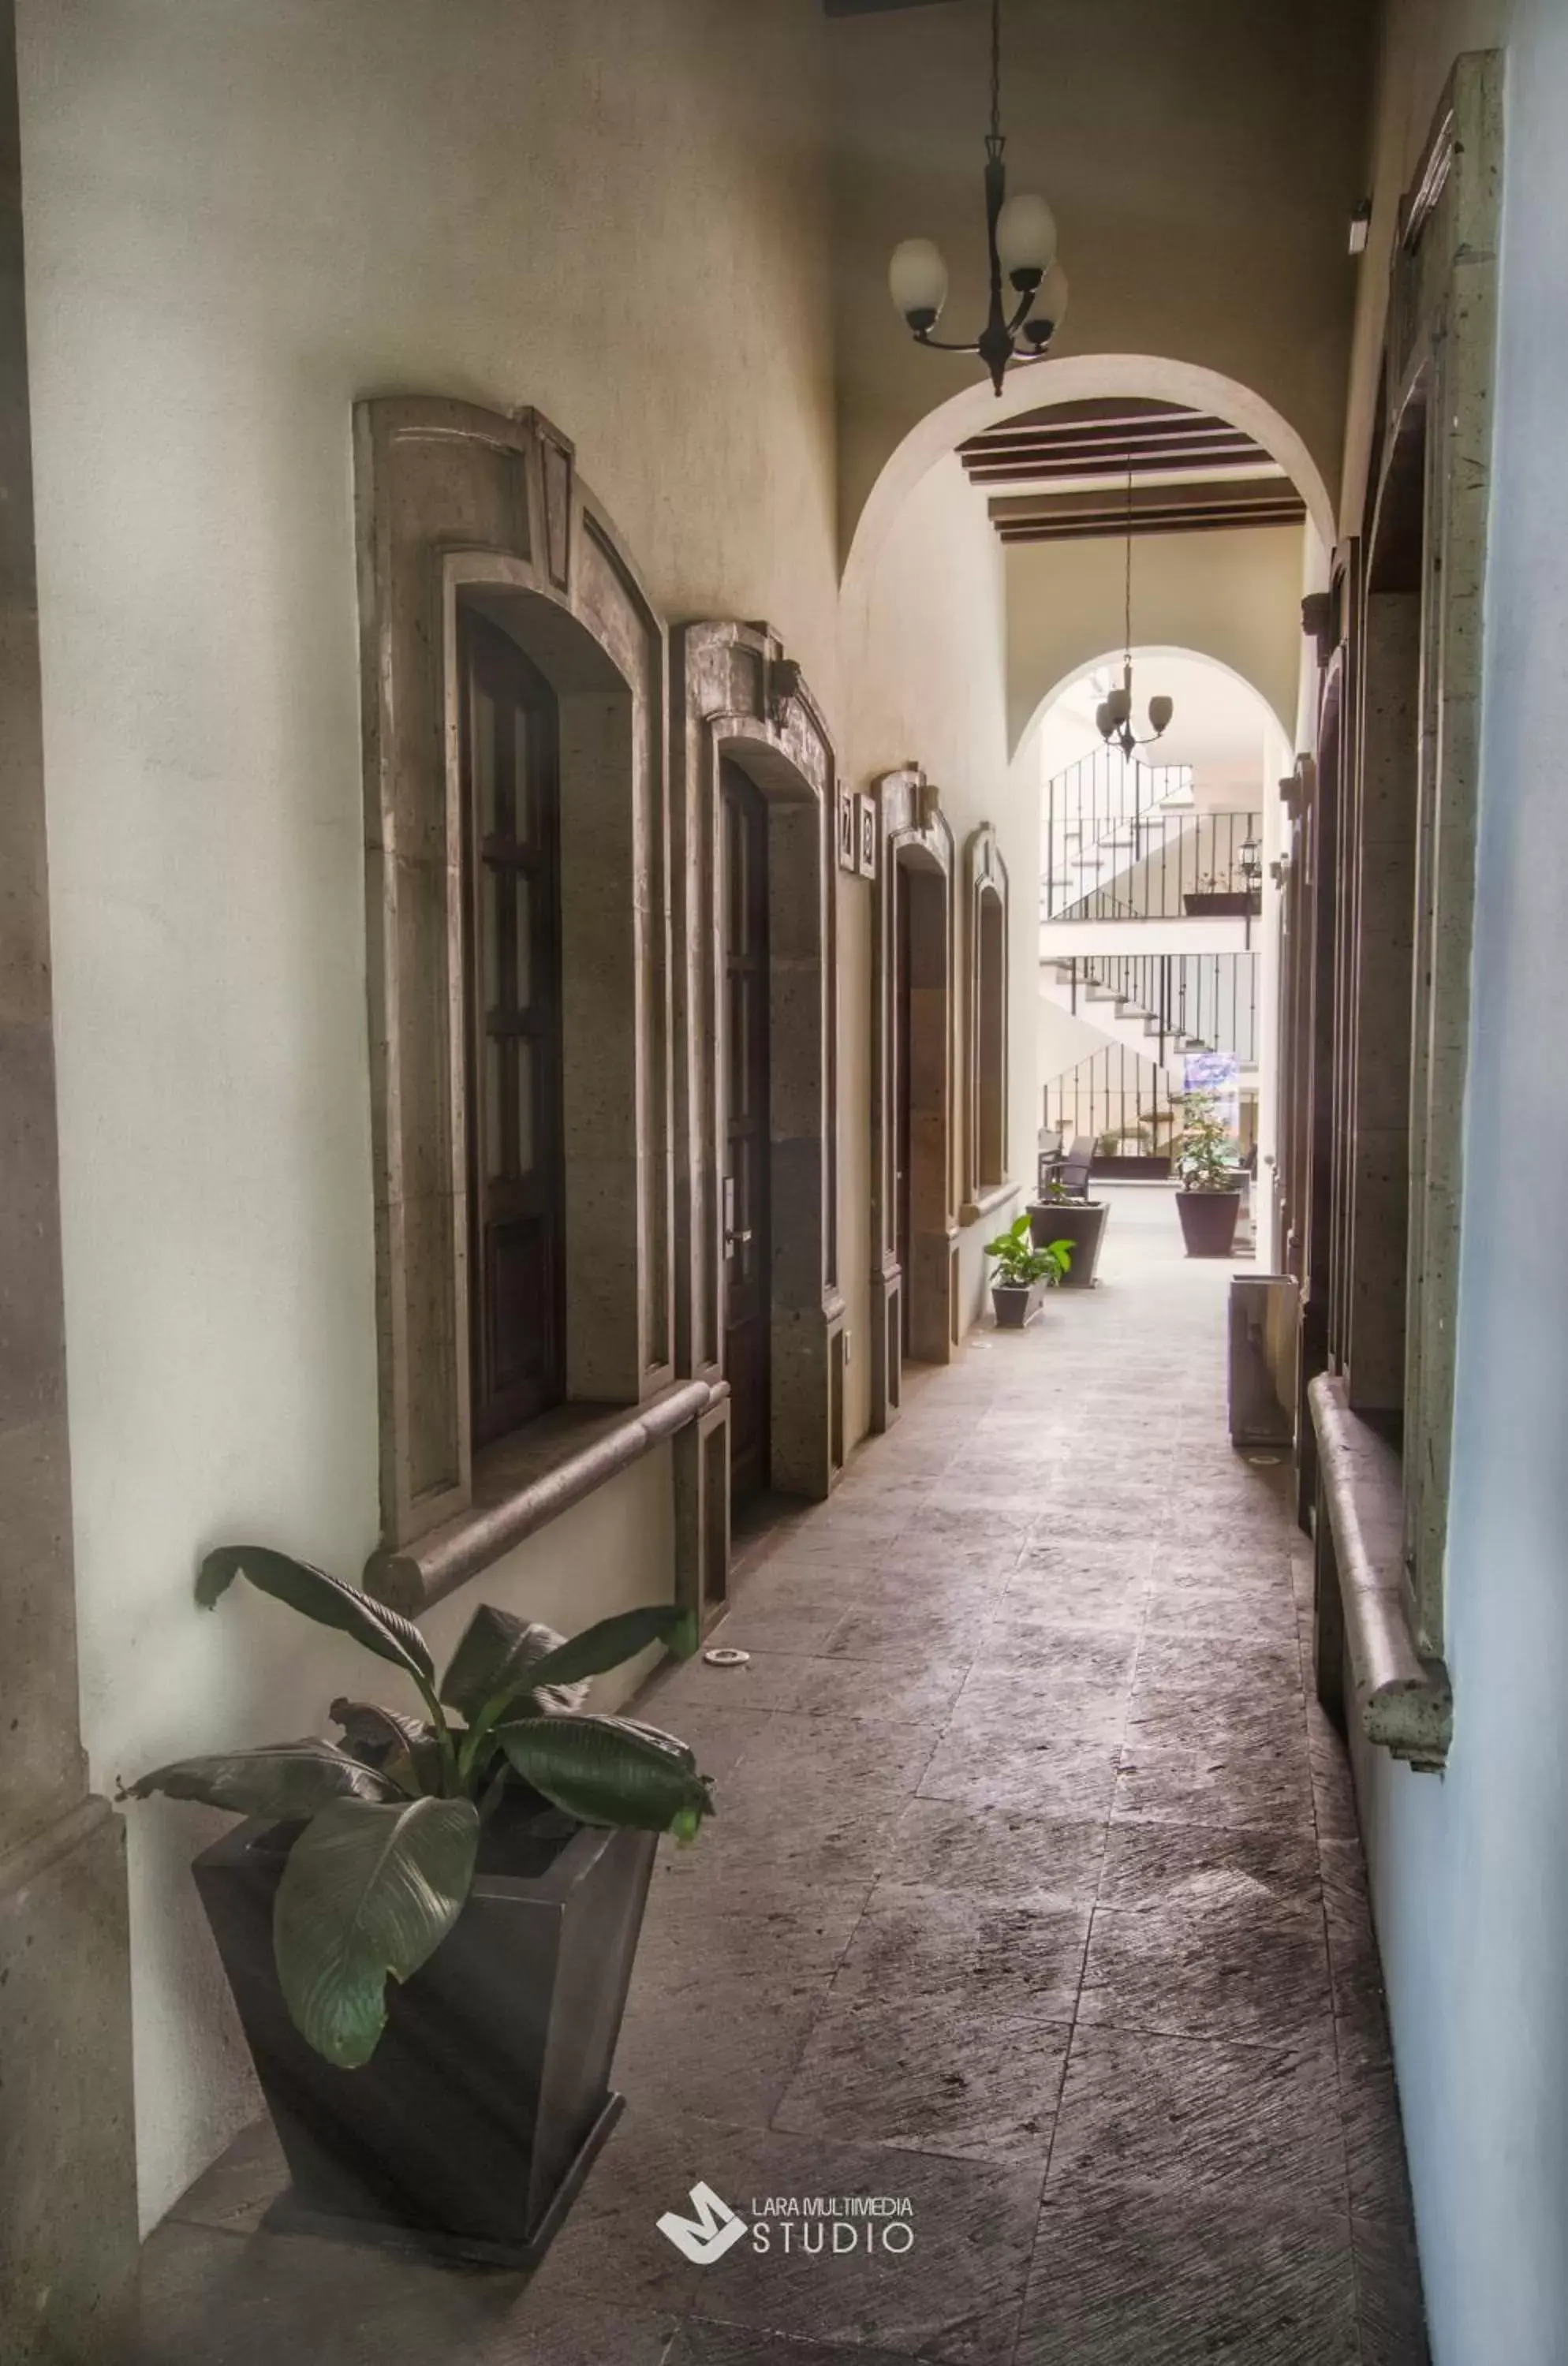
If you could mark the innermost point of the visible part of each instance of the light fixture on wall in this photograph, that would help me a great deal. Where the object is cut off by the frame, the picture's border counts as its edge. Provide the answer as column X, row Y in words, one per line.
column 1249, row 861
column 1021, row 238
column 1113, row 716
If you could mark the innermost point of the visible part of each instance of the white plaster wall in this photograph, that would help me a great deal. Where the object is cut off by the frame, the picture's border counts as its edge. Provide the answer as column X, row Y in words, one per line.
column 923, row 653
column 1234, row 597
column 239, row 219
column 1472, row 1906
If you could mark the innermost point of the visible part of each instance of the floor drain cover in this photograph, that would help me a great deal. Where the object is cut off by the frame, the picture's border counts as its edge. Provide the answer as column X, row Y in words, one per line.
column 725, row 1655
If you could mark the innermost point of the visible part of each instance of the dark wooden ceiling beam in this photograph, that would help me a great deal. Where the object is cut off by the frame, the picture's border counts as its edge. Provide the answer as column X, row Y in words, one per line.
column 1088, row 438
column 1025, row 472
column 1148, row 500
column 1190, row 522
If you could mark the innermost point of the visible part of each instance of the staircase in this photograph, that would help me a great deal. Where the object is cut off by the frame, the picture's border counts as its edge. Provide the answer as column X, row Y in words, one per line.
column 1161, row 1006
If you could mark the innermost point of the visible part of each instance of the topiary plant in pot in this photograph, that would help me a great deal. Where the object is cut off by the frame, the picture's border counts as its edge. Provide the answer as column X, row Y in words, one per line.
column 1024, row 1272
column 488, row 1856
column 1059, row 1215
column 1207, row 1199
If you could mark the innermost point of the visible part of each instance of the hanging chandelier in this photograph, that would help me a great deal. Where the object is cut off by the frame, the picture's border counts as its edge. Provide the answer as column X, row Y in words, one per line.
column 1020, row 237
column 1113, row 716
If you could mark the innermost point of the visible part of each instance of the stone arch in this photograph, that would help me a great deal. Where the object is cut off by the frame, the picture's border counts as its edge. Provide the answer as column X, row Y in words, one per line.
column 461, row 505
column 1073, row 378
column 1151, row 651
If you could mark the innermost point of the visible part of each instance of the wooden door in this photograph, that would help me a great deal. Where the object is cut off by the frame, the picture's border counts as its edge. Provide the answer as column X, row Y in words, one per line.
column 744, row 1071
column 510, row 750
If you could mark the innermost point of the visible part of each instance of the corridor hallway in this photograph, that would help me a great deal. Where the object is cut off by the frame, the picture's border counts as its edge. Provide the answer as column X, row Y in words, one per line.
column 1034, row 1897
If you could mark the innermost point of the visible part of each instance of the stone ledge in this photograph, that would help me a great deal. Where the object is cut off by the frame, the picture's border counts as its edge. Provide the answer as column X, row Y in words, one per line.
column 1406, row 1702
column 524, row 1483
column 994, row 1196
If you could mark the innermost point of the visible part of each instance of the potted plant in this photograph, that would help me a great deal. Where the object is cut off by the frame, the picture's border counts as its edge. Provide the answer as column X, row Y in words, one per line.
column 1058, row 1216
column 488, row 1857
column 1207, row 1201
column 1217, row 898
column 1024, row 1273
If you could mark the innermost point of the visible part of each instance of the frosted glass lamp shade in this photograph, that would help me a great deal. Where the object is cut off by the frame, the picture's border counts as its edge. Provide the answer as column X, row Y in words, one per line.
column 1119, row 704
column 1051, row 303
column 1026, row 240
column 1103, row 721
column 917, row 279
column 1160, row 712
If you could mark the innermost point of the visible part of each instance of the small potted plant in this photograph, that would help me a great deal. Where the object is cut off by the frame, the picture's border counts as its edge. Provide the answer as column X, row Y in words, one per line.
column 1207, row 1199
column 1216, row 897
column 429, row 1926
column 1024, row 1272
column 1058, row 1216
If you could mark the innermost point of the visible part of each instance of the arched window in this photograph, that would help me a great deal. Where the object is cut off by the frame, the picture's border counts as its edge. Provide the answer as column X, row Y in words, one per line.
column 986, row 1158
column 510, row 739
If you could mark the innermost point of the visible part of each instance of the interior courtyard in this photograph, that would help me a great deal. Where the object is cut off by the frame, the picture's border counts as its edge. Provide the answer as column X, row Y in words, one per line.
column 606, row 835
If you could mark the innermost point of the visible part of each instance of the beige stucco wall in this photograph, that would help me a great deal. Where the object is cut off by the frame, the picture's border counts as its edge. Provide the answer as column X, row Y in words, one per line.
column 1234, row 597
column 238, row 221
column 1201, row 162
column 923, row 652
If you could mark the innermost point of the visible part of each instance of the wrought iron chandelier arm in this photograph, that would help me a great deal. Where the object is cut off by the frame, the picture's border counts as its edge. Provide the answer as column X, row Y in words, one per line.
column 942, row 344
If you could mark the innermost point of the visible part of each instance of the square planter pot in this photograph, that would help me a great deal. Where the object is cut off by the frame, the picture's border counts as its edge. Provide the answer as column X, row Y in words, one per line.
column 473, row 2125
column 1221, row 904
column 1083, row 1222
column 1015, row 1306
column 1208, row 1221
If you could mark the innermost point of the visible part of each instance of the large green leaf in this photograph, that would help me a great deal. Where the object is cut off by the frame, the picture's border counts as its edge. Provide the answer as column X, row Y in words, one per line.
column 288, row 1780
column 322, row 1597
column 403, row 1747
column 368, row 1891
column 615, row 1640
column 610, row 1770
column 496, row 1656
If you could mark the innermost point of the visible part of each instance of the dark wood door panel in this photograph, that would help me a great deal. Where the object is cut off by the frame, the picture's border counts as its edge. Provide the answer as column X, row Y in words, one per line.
column 746, row 1142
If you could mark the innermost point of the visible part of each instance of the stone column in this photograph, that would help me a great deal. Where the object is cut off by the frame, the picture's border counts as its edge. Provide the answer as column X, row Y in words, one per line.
column 67, row 2152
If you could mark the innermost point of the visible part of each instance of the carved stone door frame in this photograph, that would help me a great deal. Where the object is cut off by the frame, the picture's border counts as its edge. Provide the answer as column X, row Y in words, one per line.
column 913, row 837
column 738, row 699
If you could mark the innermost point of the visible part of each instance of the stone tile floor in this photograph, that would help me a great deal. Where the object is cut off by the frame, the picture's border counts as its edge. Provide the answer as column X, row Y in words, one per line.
column 1035, row 1899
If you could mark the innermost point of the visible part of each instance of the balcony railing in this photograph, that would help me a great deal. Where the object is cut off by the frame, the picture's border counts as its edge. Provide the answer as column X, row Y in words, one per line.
column 1120, row 1102
column 1111, row 851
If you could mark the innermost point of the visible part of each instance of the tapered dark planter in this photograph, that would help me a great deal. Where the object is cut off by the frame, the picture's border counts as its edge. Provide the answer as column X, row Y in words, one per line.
column 474, row 2121
column 1083, row 1222
column 1209, row 1221
column 1016, row 1304
column 1221, row 904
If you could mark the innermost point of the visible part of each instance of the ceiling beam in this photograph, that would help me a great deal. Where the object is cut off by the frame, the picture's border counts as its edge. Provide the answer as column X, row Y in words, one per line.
column 1192, row 522
column 1156, row 509
column 1123, row 465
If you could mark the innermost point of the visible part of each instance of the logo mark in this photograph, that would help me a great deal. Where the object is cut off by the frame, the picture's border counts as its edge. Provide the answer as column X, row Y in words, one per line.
column 704, row 2238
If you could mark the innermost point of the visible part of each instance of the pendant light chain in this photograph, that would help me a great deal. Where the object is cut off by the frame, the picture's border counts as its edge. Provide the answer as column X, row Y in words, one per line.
column 1028, row 285
column 1127, row 586
column 995, row 69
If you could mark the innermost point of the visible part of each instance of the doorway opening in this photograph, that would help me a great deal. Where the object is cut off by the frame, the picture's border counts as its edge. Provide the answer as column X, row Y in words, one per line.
column 915, row 1228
